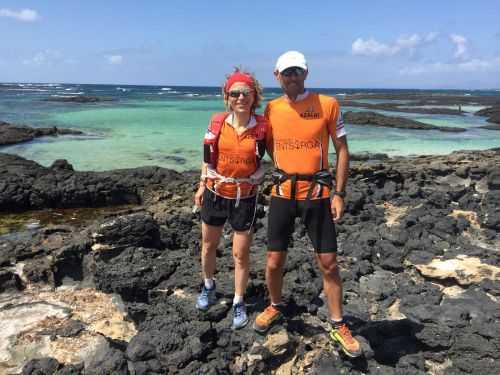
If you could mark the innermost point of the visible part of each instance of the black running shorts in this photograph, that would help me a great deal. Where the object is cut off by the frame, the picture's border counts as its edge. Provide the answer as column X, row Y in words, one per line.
column 215, row 210
column 316, row 216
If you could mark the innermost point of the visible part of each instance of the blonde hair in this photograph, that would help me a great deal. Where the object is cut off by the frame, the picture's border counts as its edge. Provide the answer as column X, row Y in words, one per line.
column 258, row 96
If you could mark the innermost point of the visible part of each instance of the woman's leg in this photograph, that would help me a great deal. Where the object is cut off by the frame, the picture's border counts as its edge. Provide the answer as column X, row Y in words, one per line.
column 210, row 240
column 241, row 255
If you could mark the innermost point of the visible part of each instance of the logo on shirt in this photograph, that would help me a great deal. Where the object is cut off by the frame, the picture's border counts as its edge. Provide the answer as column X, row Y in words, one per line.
column 310, row 114
column 295, row 144
column 236, row 159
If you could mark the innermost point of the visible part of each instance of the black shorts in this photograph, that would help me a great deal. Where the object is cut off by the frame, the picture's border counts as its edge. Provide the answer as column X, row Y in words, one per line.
column 317, row 218
column 215, row 210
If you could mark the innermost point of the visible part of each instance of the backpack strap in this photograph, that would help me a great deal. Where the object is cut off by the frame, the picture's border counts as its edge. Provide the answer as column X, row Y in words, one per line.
column 261, row 129
column 212, row 137
column 216, row 123
column 260, row 136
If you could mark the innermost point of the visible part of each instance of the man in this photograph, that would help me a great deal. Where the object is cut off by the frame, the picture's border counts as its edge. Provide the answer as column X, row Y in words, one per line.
column 301, row 124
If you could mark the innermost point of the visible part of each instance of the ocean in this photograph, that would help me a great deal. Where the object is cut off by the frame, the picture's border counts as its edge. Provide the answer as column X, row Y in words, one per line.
column 164, row 125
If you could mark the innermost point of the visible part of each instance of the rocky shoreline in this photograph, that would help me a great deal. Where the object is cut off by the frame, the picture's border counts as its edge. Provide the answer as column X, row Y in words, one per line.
column 373, row 118
column 493, row 114
column 12, row 134
column 419, row 256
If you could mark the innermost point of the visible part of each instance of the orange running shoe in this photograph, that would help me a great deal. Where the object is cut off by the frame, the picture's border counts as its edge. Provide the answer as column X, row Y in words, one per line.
column 343, row 336
column 265, row 320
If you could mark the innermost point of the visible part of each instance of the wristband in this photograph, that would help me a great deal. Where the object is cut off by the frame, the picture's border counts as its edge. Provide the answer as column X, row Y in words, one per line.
column 341, row 193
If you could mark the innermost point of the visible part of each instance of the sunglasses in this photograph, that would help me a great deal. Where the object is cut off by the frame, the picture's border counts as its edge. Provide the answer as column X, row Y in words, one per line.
column 294, row 70
column 237, row 93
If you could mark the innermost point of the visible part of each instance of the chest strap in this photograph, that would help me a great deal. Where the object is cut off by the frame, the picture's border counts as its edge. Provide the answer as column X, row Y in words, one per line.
column 322, row 178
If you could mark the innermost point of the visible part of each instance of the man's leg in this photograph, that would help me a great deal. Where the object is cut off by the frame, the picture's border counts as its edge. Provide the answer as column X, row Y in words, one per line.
column 321, row 230
column 332, row 284
column 274, row 280
column 280, row 224
column 274, row 275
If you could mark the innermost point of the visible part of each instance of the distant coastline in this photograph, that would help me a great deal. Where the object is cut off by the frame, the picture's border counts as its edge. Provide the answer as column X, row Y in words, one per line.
column 139, row 125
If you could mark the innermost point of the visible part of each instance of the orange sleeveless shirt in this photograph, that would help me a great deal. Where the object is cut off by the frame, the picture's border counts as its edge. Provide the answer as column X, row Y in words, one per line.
column 299, row 135
column 236, row 159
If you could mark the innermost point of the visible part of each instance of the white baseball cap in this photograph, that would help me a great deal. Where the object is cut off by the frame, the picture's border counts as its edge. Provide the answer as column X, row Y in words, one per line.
column 290, row 59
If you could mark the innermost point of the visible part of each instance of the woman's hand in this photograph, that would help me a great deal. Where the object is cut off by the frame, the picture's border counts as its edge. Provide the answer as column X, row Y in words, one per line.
column 198, row 196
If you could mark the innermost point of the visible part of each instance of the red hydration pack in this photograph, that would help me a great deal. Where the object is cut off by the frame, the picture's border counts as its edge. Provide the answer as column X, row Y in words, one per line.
column 211, row 139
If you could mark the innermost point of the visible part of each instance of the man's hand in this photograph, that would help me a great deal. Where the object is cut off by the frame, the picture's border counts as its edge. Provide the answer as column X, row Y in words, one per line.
column 337, row 207
column 198, row 196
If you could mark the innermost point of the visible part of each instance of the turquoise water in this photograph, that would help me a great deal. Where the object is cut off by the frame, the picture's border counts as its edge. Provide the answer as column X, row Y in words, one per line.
column 164, row 126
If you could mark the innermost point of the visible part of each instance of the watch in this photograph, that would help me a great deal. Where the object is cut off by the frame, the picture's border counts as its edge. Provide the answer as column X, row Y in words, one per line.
column 341, row 193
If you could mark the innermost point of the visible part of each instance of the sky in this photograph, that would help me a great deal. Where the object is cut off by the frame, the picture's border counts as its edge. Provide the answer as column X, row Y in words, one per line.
column 449, row 44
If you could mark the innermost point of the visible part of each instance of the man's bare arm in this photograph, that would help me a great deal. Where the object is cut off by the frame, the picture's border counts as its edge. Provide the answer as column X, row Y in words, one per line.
column 342, row 164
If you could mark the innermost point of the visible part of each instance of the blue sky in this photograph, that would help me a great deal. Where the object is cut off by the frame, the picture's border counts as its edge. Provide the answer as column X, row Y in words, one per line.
column 372, row 44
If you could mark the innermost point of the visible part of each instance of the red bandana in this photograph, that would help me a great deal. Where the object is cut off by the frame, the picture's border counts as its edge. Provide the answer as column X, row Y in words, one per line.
column 239, row 77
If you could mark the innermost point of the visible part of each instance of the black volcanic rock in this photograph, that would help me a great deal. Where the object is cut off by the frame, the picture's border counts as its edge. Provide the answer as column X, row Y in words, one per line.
column 133, row 272
column 62, row 164
column 493, row 114
column 78, row 99
column 493, row 126
column 490, row 210
column 110, row 361
column 372, row 118
column 25, row 184
column 412, row 107
column 494, row 179
column 9, row 281
column 364, row 156
column 12, row 134
column 401, row 213
column 137, row 229
column 42, row 366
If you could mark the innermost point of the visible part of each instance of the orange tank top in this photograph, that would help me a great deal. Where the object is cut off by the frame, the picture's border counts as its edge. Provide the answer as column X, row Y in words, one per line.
column 299, row 136
column 236, row 159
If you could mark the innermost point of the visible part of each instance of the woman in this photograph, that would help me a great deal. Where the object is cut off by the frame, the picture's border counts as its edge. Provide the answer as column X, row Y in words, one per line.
column 231, row 172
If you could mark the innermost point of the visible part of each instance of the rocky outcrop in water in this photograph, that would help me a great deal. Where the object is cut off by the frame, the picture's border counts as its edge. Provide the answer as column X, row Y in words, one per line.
column 418, row 256
column 415, row 98
column 25, row 185
column 405, row 108
column 414, row 102
column 493, row 114
column 79, row 99
column 11, row 134
column 372, row 118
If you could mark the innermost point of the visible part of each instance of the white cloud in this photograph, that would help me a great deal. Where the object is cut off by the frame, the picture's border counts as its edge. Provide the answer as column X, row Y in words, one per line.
column 47, row 57
column 25, row 15
column 408, row 41
column 115, row 59
column 372, row 47
column 469, row 66
column 461, row 44
column 431, row 37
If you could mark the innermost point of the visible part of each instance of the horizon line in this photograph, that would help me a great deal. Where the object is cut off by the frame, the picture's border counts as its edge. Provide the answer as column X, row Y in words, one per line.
column 265, row 88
